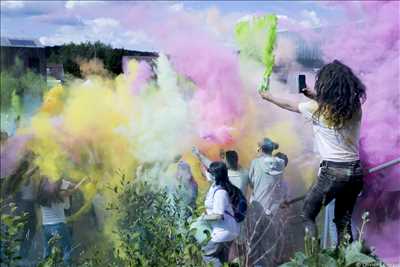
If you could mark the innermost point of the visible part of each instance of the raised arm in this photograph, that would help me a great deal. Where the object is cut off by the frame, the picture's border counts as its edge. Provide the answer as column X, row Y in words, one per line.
column 206, row 162
column 287, row 104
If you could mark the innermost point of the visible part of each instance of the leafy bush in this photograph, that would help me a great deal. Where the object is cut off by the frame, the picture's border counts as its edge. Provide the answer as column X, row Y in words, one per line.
column 18, row 82
column 11, row 226
column 153, row 227
column 68, row 55
column 346, row 255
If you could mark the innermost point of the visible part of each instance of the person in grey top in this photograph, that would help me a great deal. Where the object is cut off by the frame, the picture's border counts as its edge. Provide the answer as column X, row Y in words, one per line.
column 264, row 222
column 265, row 176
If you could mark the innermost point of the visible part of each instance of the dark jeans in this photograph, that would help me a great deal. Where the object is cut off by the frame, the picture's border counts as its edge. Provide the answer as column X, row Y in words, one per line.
column 29, row 230
column 61, row 230
column 216, row 254
column 336, row 180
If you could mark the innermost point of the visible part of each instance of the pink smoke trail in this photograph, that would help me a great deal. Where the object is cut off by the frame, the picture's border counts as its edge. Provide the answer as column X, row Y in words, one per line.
column 211, row 66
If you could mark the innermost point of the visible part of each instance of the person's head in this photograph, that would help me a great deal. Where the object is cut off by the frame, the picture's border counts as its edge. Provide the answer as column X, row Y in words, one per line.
column 219, row 171
column 266, row 146
column 49, row 191
column 232, row 159
column 177, row 158
column 339, row 93
column 283, row 157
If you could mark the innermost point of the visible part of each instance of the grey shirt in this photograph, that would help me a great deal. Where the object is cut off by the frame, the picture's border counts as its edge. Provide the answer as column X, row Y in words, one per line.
column 239, row 178
column 265, row 177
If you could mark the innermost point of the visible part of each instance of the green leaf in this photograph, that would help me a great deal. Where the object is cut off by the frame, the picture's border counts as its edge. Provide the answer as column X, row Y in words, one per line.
column 327, row 261
column 353, row 255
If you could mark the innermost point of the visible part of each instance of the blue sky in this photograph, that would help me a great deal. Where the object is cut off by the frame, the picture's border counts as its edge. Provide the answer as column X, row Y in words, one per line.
column 57, row 22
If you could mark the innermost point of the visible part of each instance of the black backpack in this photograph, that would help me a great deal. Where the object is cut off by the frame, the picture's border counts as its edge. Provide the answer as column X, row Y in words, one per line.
column 239, row 207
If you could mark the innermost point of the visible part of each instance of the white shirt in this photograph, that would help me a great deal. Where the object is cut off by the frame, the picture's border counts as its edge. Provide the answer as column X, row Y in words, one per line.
column 55, row 213
column 217, row 202
column 333, row 145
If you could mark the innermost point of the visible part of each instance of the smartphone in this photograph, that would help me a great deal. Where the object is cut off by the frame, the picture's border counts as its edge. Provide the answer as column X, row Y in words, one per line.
column 302, row 83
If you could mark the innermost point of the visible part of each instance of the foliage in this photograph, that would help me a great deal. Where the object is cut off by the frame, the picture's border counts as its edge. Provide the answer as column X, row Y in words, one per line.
column 153, row 227
column 346, row 255
column 55, row 258
column 70, row 54
column 19, row 82
column 11, row 225
column 7, row 85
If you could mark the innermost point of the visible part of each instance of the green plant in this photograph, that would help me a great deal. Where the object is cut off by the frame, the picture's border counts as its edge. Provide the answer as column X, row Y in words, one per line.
column 11, row 226
column 55, row 258
column 153, row 227
column 346, row 255
column 17, row 82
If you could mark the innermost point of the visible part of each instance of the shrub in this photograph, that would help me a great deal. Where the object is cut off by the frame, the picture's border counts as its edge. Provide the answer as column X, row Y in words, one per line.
column 153, row 227
column 11, row 226
column 346, row 255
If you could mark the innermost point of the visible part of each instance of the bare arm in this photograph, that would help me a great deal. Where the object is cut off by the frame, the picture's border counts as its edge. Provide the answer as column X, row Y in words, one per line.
column 213, row 217
column 71, row 189
column 206, row 162
column 287, row 104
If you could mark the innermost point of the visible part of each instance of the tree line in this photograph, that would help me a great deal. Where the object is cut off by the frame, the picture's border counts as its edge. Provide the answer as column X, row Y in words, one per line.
column 70, row 54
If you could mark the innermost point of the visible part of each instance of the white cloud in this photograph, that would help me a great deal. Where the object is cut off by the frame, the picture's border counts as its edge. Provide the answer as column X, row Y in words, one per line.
column 310, row 19
column 307, row 19
column 12, row 4
column 71, row 4
column 177, row 7
column 106, row 30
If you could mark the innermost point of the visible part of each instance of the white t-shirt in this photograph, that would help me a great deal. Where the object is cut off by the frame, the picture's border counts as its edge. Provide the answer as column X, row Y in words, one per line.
column 333, row 145
column 217, row 202
column 55, row 213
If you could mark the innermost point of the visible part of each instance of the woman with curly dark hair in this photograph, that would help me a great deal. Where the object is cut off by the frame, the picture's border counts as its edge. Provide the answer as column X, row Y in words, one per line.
column 335, row 111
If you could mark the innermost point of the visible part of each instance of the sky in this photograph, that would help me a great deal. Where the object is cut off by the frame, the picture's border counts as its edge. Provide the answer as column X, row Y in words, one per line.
column 58, row 22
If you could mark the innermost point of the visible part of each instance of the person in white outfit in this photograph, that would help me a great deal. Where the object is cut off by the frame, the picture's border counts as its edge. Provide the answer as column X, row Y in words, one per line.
column 219, row 213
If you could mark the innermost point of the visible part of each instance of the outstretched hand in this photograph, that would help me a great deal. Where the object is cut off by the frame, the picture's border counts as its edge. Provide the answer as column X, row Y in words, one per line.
column 265, row 95
column 195, row 151
column 284, row 205
column 308, row 92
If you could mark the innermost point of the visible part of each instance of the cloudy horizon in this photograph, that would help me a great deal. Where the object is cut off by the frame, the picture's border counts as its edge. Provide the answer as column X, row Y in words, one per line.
column 59, row 22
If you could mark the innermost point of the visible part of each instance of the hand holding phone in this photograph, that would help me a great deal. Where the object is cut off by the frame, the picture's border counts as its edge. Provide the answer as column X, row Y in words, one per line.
column 302, row 83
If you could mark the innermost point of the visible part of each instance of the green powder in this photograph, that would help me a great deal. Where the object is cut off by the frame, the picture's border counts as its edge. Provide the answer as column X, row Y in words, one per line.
column 256, row 39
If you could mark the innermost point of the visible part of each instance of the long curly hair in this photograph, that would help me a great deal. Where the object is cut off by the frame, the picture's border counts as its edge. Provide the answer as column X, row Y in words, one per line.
column 340, row 94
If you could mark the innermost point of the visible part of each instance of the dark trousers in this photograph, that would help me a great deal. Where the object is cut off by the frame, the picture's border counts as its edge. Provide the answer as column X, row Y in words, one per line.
column 29, row 229
column 216, row 254
column 62, row 232
column 336, row 180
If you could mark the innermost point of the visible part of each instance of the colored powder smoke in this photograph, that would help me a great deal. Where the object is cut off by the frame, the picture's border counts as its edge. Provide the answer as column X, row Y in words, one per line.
column 203, row 94
column 11, row 153
column 257, row 38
